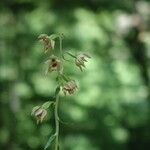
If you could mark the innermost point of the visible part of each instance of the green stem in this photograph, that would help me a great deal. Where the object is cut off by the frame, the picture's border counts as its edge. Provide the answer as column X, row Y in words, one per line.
column 56, row 121
column 56, row 104
column 60, row 40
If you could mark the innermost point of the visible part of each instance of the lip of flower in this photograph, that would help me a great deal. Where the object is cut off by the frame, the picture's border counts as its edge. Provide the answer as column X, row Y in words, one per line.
column 53, row 64
column 69, row 87
column 39, row 112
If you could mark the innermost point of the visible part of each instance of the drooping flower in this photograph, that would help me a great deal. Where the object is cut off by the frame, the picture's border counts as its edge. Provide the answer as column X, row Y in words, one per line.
column 39, row 113
column 69, row 87
column 53, row 64
column 81, row 59
column 48, row 43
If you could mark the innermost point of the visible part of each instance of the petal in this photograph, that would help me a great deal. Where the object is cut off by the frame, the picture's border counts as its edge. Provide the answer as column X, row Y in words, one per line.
column 34, row 109
column 52, row 43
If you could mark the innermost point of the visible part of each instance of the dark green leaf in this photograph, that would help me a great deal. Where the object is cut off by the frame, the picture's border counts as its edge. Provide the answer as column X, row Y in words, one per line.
column 57, row 90
column 65, row 77
column 71, row 54
column 49, row 141
column 46, row 105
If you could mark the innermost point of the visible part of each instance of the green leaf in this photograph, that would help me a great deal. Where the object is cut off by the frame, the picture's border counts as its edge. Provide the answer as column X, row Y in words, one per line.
column 58, row 78
column 71, row 54
column 49, row 141
column 65, row 77
column 57, row 90
column 46, row 105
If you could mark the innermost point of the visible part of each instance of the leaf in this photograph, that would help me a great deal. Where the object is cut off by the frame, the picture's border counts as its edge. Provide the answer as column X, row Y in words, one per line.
column 57, row 90
column 52, row 44
column 71, row 54
column 49, row 141
column 58, row 78
column 46, row 105
column 65, row 77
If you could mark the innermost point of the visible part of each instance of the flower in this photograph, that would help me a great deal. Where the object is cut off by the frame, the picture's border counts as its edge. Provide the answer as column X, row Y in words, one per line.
column 53, row 64
column 69, row 87
column 80, row 59
column 48, row 43
column 39, row 113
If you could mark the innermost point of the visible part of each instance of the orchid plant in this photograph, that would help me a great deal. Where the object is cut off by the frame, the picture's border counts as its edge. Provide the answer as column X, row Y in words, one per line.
column 64, row 83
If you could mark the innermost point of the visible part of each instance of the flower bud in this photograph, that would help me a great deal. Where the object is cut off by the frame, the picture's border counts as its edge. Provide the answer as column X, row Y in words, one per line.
column 39, row 113
column 53, row 64
column 81, row 59
column 69, row 87
column 48, row 43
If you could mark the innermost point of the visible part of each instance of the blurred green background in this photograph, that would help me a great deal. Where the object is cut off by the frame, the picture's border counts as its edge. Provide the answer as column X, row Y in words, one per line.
column 111, row 110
